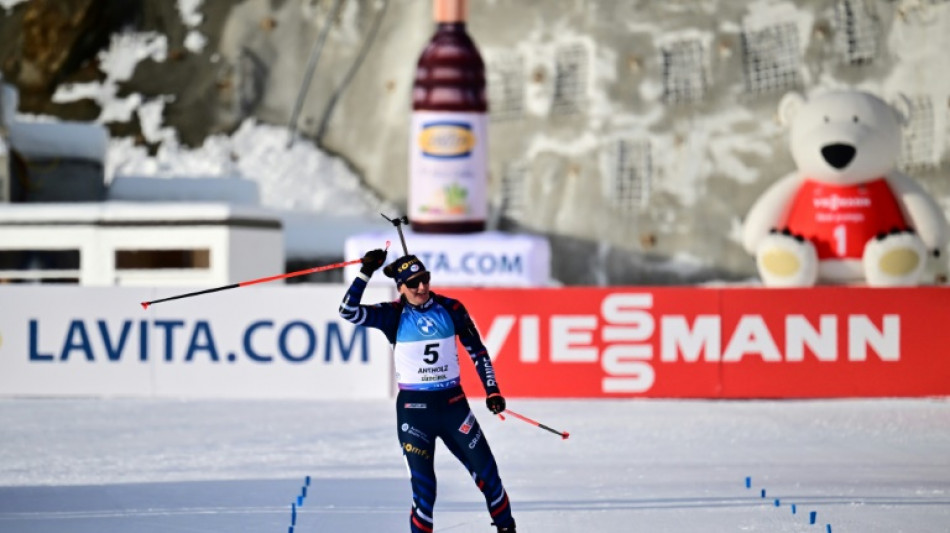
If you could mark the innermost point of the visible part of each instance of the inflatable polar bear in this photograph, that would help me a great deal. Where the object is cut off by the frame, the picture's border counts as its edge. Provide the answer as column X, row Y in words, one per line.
column 846, row 214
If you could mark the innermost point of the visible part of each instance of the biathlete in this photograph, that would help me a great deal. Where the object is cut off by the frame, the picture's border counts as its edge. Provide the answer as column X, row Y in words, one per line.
column 422, row 326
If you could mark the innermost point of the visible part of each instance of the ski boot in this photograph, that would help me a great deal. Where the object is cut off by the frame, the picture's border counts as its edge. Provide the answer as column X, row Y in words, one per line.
column 509, row 529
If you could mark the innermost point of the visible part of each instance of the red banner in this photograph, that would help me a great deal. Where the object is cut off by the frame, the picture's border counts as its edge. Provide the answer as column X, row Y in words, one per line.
column 713, row 342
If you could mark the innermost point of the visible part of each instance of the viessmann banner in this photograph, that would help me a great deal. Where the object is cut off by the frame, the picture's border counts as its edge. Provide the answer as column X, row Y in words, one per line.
column 257, row 342
column 570, row 342
column 715, row 343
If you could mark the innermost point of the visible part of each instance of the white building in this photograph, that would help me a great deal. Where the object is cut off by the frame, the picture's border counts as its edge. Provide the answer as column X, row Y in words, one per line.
column 138, row 244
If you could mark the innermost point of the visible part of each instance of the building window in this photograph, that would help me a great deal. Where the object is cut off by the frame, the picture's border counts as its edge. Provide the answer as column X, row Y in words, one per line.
column 513, row 183
column 628, row 184
column 163, row 259
column 684, row 74
column 856, row 39
column 771, row 58
column 506, row 87
column 917, row 145
column 42, row 266
column 570, row 80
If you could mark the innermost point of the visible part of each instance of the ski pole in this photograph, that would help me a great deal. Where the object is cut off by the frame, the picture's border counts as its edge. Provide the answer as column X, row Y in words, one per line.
column 563, row 434
column 259, row 280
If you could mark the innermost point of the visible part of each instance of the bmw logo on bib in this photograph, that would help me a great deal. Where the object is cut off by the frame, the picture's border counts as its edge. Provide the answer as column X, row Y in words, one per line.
column 426, row 326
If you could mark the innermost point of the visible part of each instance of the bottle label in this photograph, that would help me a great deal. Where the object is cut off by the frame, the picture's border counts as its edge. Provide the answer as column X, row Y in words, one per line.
column 448, row 167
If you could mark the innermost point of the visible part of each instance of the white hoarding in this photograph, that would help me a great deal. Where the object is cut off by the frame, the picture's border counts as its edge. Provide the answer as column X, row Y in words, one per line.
column 486, row 259
column 252, row 342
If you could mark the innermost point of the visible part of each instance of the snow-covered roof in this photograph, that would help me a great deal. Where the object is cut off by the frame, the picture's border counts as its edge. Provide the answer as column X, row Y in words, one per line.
column 68, row 140
column 41, row 138
column 234, row 191
column 93, row 213
column 307, row 235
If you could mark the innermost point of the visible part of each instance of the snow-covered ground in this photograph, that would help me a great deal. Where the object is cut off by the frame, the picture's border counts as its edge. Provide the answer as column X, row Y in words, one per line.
column 654, row 466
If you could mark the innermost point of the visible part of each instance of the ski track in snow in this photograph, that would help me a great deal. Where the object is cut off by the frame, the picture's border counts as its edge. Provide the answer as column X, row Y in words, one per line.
column 630, row 465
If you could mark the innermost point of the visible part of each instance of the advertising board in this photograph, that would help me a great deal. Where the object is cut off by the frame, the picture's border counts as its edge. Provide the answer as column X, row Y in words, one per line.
column 714, row 342
column 619, row 342
column 258, row 342
column 485, row 259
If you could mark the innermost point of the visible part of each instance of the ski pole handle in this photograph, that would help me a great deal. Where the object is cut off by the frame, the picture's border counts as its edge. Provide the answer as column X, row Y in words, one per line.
column 399, row 222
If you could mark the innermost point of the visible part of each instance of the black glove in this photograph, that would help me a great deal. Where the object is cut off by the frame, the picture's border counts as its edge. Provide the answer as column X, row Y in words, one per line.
column 495, row 403
column 372, row 261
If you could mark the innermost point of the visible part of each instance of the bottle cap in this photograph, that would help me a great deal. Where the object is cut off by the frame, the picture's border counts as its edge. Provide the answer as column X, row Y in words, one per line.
column 450, row 10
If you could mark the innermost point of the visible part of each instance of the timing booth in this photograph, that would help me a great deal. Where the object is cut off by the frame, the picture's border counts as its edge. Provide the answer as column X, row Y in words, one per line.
column 138, row 244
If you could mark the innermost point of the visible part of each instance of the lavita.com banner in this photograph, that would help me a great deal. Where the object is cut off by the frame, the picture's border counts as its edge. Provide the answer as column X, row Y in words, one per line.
column 714, row 342
column 256, row 342
column 486, row 259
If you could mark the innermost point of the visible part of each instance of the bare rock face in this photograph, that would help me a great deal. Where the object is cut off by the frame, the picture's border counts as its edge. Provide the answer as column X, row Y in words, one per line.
column 52, row 42
column 50, row 34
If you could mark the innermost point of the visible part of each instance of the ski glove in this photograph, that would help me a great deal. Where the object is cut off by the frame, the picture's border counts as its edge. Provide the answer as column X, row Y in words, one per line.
column 495, row 403
column 372, row 261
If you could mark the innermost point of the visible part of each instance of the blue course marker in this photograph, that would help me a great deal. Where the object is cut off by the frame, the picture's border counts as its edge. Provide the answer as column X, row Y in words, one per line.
column 748, row 482
column 812, row 516
column 777, row 502
column 307, row 481
column 794, row 510
column 763, row 493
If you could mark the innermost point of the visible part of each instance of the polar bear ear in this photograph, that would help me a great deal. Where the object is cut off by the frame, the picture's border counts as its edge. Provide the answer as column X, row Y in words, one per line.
column 902, row 108
column 789, row 106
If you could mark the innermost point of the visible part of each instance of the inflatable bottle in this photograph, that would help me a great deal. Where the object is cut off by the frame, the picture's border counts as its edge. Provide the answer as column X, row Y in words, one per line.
column 448, row 141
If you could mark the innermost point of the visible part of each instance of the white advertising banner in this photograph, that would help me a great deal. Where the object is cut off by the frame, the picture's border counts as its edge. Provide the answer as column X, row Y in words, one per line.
column 255, row 342
column 486, row 259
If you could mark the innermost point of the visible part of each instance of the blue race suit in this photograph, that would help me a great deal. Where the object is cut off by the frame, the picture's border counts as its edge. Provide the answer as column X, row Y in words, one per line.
column 430, row 403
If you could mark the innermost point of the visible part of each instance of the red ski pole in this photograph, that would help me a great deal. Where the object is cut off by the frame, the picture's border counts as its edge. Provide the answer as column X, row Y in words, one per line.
column 563, row 434
column 259, row 280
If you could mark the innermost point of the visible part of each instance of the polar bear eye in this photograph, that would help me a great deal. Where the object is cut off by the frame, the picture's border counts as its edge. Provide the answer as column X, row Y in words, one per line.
column 827, row 120
column 855, row 118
